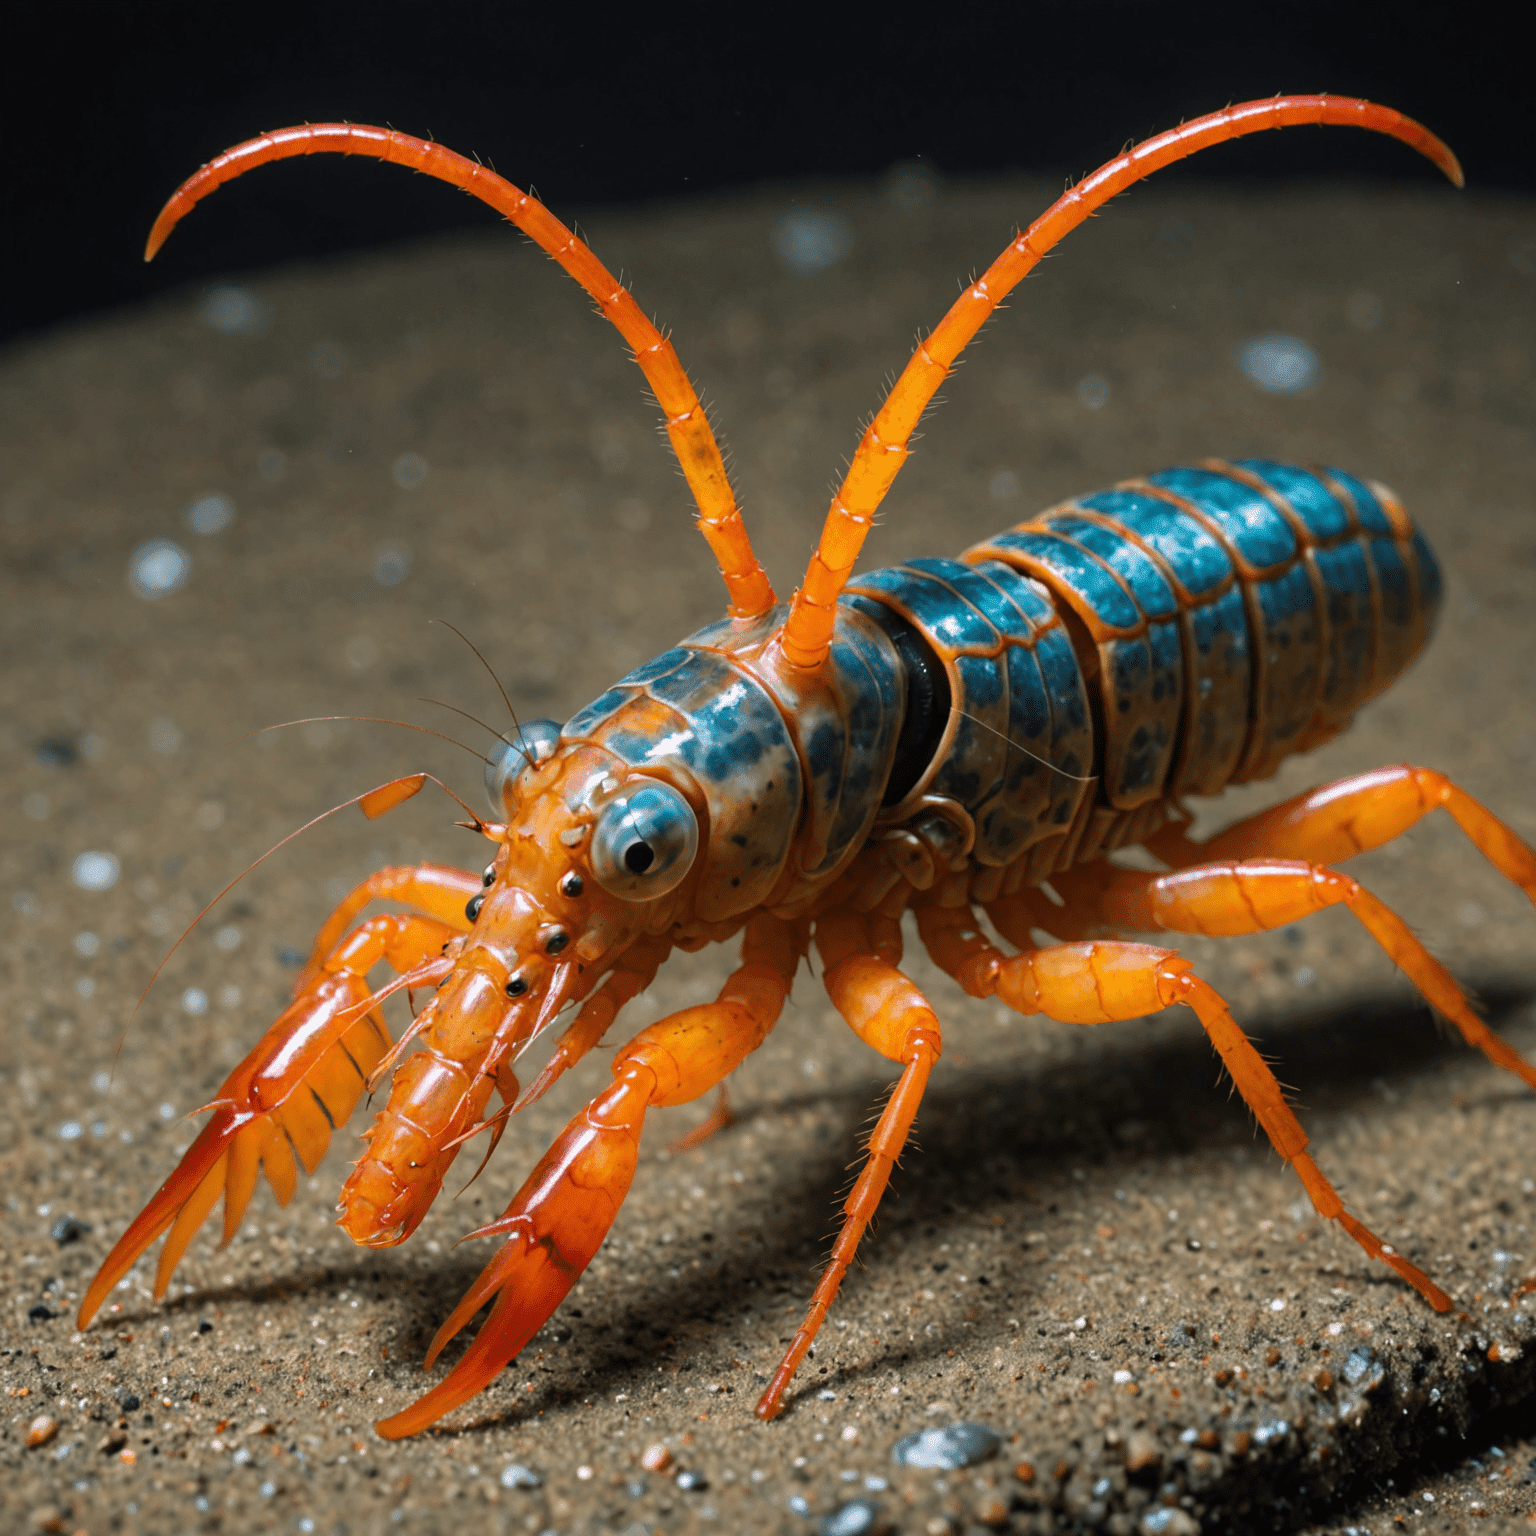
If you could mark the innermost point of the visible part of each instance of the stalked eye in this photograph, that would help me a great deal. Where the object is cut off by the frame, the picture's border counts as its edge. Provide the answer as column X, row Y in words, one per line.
column 556, row 942
column 516, row 987
column 529, row 745
column 473, row 905
column 644, row 840
column 489, row 877
column 572, row 886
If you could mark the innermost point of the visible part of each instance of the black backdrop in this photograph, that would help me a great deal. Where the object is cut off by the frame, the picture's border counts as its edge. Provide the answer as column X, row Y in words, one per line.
column 106, row 108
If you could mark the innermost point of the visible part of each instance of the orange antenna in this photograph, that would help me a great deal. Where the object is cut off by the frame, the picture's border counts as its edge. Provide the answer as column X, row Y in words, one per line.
column 687, row 426
column 807, row 633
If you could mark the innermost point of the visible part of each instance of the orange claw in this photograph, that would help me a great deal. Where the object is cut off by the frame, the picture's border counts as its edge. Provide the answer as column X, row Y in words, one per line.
column 561, row 1215
column 303, row 1079
column 555, row 1224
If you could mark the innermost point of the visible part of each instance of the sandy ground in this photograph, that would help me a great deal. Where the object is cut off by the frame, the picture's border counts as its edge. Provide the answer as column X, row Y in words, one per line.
column 1090, row 1253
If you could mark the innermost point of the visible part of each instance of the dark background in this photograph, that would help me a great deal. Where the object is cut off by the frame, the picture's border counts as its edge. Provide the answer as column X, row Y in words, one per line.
column 107, row 108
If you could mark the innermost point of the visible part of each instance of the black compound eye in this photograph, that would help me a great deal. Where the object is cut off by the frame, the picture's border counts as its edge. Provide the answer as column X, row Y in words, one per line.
column 556, row 942
column 489, row 877
column 572, row 886
column 516, row 987
column 473, row 905
column 645, row 840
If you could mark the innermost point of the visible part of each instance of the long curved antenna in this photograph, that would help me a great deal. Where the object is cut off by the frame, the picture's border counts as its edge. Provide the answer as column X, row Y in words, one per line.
column 807, row 633
column 687, row 426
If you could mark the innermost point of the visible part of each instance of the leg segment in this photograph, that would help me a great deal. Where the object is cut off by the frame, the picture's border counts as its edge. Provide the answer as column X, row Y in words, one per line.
column 1259, row 894
column 560, row 1216
column 300, row 1083
column 1094, row 983
column 438, row 890
column 889, row 1013
column 635, row 971
column 1333, row 822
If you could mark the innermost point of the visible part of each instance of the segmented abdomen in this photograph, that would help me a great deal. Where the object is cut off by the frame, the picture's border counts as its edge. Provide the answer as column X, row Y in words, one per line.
column 1239, row 612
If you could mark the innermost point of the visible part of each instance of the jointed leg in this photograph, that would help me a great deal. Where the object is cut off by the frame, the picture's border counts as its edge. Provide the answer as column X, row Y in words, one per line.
column 1094, row 983
column 889, row 1013
column 438, row 890
column 301, row 1082
column 635, row 971
column 1260, row 894
column 1336, row 821
column 560, row 1216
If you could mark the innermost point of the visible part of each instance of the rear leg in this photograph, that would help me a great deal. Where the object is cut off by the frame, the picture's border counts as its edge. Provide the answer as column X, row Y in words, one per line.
column 301, row 1082
column 1335, row 821
column 1097, row 982
column 1257, row 895
column 559, row 1218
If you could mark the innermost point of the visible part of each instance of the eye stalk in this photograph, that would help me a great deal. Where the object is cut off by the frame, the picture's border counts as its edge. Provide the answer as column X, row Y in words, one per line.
column 644, row 841
column 531, row 743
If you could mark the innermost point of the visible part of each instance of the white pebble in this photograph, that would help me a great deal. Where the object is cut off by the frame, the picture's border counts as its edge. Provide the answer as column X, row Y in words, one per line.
column 96, row 870
column 409, row 471
column 392, row 566
column 158, row 567
column 164, row 736
column 1280, row 364
column 233, row 310
column 71, row 1130
column 195, row 1000
column 1093, row 391
column 86, row 944
column 167, row 1111
column 1278, row 1304
column 810, row 241
column 209, row 514
column 228, row 937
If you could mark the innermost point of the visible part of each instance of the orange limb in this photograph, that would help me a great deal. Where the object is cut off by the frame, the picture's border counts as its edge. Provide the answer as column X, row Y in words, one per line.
column 559, row 1218
column 1106, row 980
column 688, row 427
column 807, row 634
column 1335, row 821
column 1256, row 895
column 439, row 890
column 635, row 971
column 889, row 1013
column 301, row 1082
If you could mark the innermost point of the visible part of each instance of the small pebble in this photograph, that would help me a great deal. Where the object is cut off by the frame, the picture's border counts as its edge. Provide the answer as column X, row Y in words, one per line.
column 692, row 1482
column 128, row 1402
column 1280, row 364
column 68, row 1229
column 519, row 1476
column 1140, row 1451
column 41, row 1312
column 657, row 1458
column 991, row 1510
column 956, row 1445
column 40, row 1431
column 858, row 1517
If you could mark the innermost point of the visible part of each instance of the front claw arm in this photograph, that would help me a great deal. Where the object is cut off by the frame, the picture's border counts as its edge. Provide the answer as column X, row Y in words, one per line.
column 303, row 1079
column 559, row 1218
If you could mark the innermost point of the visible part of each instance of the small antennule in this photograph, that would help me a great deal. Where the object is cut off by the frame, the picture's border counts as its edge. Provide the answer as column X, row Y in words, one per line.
column 534, row 742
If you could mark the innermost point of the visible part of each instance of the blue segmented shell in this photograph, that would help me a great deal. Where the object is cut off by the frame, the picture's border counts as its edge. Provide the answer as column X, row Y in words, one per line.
column 1165, row 637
